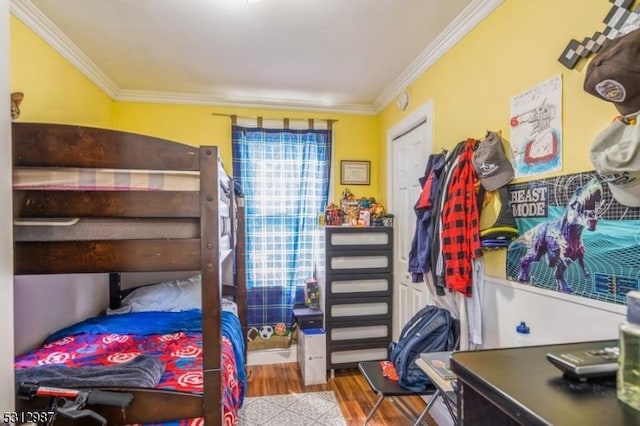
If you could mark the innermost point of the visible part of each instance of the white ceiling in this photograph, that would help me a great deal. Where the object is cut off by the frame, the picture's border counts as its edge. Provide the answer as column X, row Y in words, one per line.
column 338, row 55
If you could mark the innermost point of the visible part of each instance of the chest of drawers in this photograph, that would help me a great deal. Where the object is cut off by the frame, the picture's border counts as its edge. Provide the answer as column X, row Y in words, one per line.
column 358, row 287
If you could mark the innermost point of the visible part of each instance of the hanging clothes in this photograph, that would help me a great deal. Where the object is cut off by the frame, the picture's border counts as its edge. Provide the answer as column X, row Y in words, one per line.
column 461, row 224
column 444, row 175
column 420, row 252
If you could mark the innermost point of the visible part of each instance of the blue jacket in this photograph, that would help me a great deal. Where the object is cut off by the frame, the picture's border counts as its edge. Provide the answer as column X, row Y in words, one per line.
column 420, row 253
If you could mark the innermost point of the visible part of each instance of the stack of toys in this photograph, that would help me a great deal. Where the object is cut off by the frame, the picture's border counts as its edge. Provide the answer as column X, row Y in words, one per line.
column 355, row 211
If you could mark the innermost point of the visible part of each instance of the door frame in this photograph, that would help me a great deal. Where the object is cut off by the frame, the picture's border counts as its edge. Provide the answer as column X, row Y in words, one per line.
column 7, row 376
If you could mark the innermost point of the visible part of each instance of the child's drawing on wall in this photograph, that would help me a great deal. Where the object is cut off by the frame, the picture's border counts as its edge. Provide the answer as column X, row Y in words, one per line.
column 536, row 129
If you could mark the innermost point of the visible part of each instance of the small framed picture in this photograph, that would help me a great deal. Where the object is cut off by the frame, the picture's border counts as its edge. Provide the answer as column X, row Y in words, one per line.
column 354, row 172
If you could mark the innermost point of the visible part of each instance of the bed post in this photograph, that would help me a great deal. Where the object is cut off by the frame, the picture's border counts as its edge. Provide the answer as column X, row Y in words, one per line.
column 211, row 286
column 241, row 269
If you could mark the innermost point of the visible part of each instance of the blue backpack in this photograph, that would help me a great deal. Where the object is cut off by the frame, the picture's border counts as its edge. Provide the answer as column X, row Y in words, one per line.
column 432, row 329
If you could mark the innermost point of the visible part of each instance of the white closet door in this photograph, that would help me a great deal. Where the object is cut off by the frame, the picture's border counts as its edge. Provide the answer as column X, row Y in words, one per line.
column 410, row 144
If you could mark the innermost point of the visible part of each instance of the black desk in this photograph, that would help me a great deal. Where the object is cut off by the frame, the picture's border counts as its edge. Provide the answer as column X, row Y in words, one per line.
column 519, row 386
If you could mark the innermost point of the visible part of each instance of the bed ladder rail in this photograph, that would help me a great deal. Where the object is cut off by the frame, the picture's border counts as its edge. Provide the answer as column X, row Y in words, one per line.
column 115, row 287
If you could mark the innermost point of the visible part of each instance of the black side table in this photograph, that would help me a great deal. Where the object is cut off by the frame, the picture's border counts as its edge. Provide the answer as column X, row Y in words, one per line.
column 309, row 318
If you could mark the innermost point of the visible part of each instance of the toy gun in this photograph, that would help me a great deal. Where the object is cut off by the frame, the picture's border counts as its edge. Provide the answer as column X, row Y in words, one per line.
column 71, row 403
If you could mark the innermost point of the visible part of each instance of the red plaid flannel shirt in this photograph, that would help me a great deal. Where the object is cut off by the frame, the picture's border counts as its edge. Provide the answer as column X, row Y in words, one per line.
column 460, row 224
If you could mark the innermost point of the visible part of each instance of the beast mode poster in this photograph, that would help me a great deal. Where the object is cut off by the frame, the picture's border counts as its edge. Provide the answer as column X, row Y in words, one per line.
column 574, row 238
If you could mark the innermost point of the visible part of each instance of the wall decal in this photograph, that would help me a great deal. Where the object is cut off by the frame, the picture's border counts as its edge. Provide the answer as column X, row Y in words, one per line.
column 619, row 21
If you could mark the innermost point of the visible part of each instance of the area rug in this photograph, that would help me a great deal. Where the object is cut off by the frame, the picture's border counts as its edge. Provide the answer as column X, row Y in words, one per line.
column 295, row 409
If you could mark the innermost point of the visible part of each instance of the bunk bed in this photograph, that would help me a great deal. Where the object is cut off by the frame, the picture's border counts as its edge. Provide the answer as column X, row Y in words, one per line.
column 108, row 204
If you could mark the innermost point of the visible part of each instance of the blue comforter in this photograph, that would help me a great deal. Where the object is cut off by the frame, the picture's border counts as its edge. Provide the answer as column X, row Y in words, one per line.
column 147, row 323
column 141, row 323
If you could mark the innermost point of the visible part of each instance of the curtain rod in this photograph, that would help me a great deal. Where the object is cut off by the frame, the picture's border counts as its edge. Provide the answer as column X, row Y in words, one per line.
column 285, row 120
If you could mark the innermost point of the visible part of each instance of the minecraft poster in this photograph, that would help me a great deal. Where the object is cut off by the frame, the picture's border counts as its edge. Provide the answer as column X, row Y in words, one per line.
column 574, row 238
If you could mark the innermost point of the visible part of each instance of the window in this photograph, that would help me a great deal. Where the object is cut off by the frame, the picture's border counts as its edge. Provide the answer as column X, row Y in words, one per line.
column 284, row 175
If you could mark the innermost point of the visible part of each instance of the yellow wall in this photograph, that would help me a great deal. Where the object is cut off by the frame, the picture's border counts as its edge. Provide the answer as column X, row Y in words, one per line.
column 54, row 90
column 515, row 48
column 355, row 136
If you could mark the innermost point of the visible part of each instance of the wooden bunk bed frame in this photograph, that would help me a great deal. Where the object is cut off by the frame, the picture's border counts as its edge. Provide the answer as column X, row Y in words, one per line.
column 55, row 145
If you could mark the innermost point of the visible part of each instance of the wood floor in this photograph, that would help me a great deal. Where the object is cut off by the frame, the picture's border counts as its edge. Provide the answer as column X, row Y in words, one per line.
column 354, row 395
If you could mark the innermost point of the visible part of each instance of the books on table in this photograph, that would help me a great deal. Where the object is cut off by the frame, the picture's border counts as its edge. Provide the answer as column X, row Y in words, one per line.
column 436, row 367
column 439, row 363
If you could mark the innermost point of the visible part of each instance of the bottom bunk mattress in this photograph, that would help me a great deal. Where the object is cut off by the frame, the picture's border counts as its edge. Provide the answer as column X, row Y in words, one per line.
column 146, row 349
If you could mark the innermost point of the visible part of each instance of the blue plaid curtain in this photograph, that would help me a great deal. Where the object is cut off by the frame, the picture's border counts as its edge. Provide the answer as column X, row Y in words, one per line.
column 284, row 176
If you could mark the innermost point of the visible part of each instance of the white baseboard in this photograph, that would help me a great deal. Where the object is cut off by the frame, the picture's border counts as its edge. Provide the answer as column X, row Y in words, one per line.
column 272, row 356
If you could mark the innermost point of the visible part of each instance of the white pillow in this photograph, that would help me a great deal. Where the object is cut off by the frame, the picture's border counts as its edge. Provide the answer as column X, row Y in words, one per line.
column 230, row 306
column 170, row 296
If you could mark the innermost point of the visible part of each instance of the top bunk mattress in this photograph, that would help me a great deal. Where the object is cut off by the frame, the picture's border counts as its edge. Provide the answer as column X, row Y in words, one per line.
column 88, row 179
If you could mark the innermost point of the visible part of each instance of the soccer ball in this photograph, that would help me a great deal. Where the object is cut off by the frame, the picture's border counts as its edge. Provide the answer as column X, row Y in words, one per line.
column 266, row 331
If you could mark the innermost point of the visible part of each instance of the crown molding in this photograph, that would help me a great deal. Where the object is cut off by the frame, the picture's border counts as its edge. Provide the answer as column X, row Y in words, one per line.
column 471, row 16
column 33, row 18
column 222, row 100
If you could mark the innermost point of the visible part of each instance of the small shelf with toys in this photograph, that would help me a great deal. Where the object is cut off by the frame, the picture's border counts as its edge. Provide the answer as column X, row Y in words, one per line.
column 353, row 211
